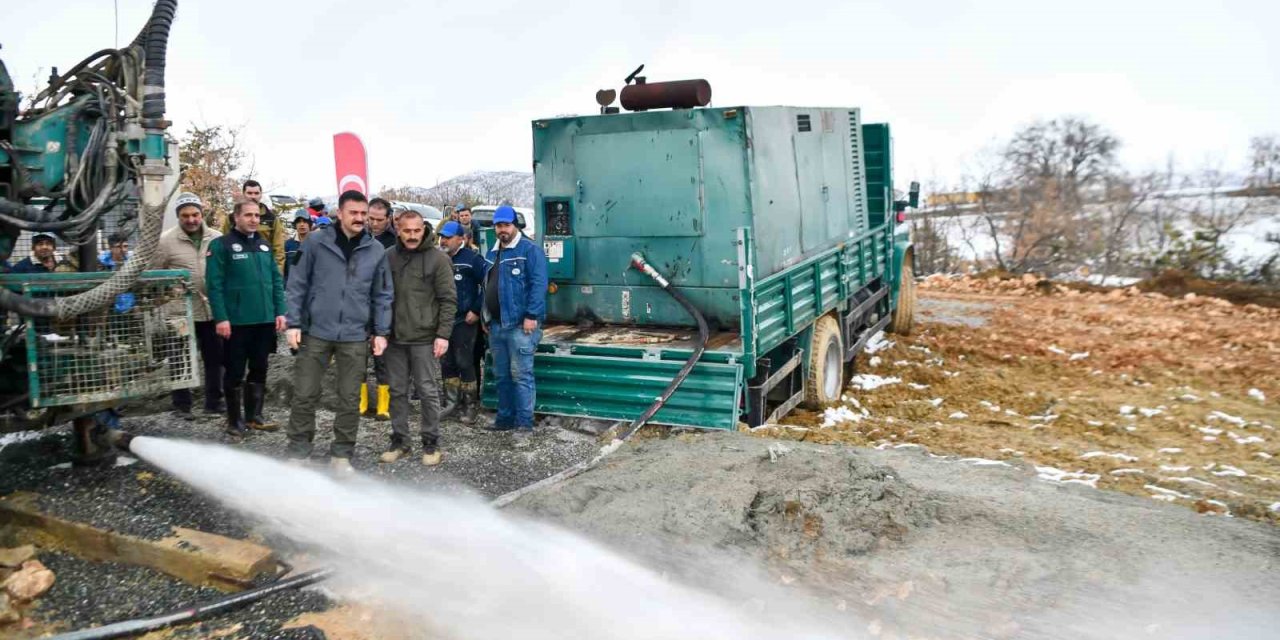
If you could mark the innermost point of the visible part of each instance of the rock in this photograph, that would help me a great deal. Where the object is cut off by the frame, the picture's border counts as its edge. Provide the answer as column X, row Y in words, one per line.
column 30, row 582
column 16, row 556
column 8, row 614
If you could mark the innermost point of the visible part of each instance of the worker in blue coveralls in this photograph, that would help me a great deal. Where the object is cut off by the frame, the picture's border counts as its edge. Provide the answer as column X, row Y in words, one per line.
column 515, row 306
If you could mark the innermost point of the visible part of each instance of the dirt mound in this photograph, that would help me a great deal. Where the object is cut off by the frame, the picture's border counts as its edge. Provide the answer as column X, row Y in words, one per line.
column 905, row 544
column 760, row 500
column 1178, row 284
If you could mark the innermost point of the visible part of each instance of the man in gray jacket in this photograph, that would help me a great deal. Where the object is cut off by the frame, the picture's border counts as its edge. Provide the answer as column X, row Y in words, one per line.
column 422, row 319
column 339, row 295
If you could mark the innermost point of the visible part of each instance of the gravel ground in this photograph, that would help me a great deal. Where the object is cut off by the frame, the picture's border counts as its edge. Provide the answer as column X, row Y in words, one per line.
column 138, row 499
column 954, row 312
column 90, row 594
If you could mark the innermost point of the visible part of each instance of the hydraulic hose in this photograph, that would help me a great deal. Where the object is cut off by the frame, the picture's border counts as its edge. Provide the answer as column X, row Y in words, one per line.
column 704, row 334
column 200, row 612
column 156, row 47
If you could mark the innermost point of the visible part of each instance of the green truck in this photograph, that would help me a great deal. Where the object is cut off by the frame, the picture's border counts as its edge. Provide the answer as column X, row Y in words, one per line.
column 777, row 224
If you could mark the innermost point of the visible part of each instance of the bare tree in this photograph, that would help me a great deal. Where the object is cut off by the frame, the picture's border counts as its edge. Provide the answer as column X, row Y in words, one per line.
column 1264, row 161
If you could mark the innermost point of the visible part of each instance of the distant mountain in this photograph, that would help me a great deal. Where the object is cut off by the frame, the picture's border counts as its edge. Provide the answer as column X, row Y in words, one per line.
column 486, row 187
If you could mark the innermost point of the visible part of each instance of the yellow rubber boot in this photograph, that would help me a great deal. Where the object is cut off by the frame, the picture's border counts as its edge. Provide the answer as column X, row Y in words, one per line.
column 364, row 399
column 384, row 402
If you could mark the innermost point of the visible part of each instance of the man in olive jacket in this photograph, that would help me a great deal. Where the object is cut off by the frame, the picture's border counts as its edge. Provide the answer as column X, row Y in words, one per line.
column 339, row 306
column 422, row 321
column 246, row 300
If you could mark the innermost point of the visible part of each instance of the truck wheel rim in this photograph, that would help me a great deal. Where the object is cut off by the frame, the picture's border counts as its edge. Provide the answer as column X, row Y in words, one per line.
column 831, row 370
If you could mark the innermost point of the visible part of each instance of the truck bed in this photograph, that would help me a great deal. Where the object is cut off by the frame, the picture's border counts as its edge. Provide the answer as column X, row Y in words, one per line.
column 563, row 333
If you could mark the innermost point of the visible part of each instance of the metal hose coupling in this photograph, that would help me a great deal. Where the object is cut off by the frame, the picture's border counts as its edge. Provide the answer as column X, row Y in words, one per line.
column 120, row 439
column 639, row 264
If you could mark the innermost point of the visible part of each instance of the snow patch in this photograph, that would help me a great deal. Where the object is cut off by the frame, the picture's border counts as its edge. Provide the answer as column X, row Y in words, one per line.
column 1190, row 480
column 1126, row 410
column 1093, row 423
column 959, row 415
column 20, row 436
column 871, row 381
column 1102, row 454
column 1053, row 348
column 1187, row 397
column 1258, row 395
column 936, row 402
column 983, row 462
column 1173, row 469
column 1168, row 495
column 877, row 343
column 1078, row 356
column 1263, row 454
column 917, row 386
column 1125, row 472
column 1245, row 440
column 1058, row 476
column 1151, row 413
column 874, row 361
column 1170, row 450
column 1228, row 470
column 836, row 415
column 1226, row 417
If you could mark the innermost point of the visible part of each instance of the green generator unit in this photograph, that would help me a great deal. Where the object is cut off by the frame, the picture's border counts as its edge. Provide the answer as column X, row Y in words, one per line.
column 777, row 223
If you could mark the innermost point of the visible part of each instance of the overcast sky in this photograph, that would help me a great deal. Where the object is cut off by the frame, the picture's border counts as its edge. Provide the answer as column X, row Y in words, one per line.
column 437, row 89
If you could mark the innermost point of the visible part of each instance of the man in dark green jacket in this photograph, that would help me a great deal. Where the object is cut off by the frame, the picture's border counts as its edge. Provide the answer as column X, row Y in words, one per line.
column 246, row 300
column 421, row 322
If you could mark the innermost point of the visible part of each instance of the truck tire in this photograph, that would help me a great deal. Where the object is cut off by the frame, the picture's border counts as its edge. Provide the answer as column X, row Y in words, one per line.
column 904, row 312
column 826, row 364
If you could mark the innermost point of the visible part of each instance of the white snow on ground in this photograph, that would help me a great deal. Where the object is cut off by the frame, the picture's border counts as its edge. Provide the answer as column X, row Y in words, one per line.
column 1226, row 417
column 1102, row 454
column 874, row 361
column 1048, row 417
column 1053, row 348
column 1190, row 480
column 1078, row 356
column 1187, row 397
column 1123, row 472
column 1275, row 507
column 993, row 408
column 871, row 381
column 1258, row 395
column 1151, row 413
column 1126, row 410
column 917, row 386
column 835, row 415
column 1171, row 468
column 1228, row 470
column 1093, row 423
column 1168, row 495
column 1263, row 454
column 1170, row 450
column 19, row 436
column 936, row 402
column 959, row 415
column 877, row 343
column 1058, row 476
column 1210, row 431
column 1243, row 441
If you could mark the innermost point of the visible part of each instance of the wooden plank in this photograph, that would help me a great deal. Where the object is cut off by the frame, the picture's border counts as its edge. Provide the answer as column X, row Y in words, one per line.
column 195, row 557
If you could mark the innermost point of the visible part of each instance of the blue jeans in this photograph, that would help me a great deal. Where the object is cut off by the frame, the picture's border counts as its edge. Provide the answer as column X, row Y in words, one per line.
column 513, row 364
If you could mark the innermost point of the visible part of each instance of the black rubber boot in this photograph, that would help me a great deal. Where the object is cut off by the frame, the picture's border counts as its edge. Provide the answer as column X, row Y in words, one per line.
column 253, row 398
column 235, row 419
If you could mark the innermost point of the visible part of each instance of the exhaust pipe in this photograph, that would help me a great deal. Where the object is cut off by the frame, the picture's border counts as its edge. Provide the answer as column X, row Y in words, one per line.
column 120, row 439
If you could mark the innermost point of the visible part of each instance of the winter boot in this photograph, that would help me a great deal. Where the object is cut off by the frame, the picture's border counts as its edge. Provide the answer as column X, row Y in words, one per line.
column 235, row 419
column 254, row 394
column 468, row 399
column 397, row 450
column 384, row 403
column 431, row 454
column 365, row 409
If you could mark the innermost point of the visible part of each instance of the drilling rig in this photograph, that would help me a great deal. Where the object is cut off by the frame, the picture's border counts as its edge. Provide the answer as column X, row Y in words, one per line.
column 87, row 156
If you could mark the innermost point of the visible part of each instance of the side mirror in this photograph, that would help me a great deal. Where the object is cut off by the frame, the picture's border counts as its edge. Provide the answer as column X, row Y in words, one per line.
column 913, row 195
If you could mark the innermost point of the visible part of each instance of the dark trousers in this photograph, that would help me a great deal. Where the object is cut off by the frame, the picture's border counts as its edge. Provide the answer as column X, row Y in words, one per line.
column 351, row 360
column 460, row 360
column 380, row 374
column 212, row 355
column 248, row 347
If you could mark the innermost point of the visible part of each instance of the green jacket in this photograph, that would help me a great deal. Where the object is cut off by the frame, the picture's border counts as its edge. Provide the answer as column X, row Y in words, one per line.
column 244, row 285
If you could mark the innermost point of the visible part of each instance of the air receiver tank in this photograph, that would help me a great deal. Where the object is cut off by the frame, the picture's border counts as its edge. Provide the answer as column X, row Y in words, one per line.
column 677, row 94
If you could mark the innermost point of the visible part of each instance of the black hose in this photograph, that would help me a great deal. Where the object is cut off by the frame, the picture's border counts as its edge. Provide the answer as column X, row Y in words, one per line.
column 192, row 614
column 704, row 334
column 157, row 44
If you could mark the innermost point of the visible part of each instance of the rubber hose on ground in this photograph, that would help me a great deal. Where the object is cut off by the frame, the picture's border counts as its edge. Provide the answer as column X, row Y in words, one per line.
column 704, row 335
column 192, row 614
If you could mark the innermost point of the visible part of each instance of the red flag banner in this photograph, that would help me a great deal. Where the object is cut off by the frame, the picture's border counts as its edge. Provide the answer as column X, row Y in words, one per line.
column 351, row 166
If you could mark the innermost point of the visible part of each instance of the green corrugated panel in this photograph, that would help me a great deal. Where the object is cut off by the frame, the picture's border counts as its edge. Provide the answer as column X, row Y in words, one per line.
column 622, row 388
column 876, row 152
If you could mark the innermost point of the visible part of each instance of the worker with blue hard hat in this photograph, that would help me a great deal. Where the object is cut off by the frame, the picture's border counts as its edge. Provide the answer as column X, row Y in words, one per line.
column 515, row 306
column 459, row 363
